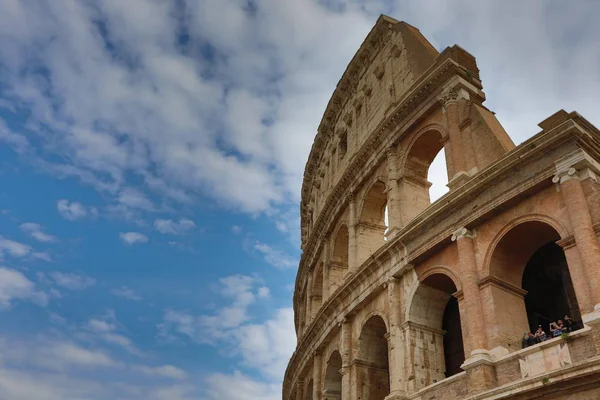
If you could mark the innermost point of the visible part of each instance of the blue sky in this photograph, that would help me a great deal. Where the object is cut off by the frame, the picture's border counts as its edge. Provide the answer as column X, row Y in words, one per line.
column 151, row 157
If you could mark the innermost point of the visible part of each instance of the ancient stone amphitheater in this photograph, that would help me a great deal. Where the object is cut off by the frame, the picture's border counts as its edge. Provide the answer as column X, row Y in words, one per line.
column 400, row 298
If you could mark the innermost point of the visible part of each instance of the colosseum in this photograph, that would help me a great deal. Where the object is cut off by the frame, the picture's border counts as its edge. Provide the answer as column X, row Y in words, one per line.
column 397, row 297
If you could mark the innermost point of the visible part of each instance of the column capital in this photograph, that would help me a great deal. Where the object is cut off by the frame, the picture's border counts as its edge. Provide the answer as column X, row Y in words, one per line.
column 462, row 233
column 565, row 175
column 452, row 95
column 576, row 165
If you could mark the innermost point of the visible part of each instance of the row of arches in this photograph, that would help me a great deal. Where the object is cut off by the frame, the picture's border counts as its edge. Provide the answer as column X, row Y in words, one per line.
column 436, row 341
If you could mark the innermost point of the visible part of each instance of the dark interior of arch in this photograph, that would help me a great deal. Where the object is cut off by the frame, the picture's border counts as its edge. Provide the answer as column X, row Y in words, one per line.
column 333, row 378
column 550, row 294
column 340, row 250
column 373, row 210
column 374, row 357
column 454, row 352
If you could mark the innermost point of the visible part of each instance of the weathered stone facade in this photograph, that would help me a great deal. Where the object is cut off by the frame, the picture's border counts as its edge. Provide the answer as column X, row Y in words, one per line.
column 434, row 304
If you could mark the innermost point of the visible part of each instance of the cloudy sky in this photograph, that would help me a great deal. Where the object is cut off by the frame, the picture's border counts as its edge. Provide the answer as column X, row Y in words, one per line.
column 151, row 156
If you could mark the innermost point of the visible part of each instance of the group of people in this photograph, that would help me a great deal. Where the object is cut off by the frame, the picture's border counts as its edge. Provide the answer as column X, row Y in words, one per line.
column 557, row 328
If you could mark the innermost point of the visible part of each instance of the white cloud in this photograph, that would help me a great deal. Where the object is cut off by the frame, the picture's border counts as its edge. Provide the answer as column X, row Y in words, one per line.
column 13, row 248
column 167, row 371
column 240, row 291
column 126, row 293
column 264, row 292
column 276, row 258
column 238, row 386
column 37, row 232
column 71, row 210
column 131, row 238
column 15, row 286
column 105, row 328
column 267, row 347
column 72, row 281
column 174, row 227
column 51, row 368
column 236, row 229
column 263, row 347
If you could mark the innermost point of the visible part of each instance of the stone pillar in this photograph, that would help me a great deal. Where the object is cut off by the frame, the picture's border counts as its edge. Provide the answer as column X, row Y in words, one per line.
column 395, row 343
column 393, row 194
column 308, row 300
column 300, row 390
column 470, row 287
column 352, row 239
column 583, row 232
column 458, row 173
column 326, row 266
column 479, row 365
column 578, row 276
column 317, row 374
column 346, row 358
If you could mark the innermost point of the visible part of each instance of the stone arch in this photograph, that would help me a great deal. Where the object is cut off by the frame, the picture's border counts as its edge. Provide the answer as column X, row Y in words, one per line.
column 372, row 360
column 332, row 387
column 373, row 314
column 371, row 220
column 338, row 267
column 529, row 275
column 556, row 225
column 434, row 328
column 418, row 156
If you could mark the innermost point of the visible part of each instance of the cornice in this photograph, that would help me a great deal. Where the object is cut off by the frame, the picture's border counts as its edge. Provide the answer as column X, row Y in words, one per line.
column 344, row 301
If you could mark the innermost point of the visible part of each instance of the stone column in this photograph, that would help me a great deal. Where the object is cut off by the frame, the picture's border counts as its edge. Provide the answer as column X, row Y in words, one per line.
column 395, row 343
column 300, row 390
column 583, row 232
column 352, row 239
column 308, row 313
column 317, row 373
column 393, row 194
column 458, row 174
column 326, row 266
column 346, row 358
column 470, row 287
column 479, row 365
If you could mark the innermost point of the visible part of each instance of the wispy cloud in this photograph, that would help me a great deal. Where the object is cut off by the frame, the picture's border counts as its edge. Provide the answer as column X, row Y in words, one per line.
column 16, row 286
column 126, row 293
column 13, row 248
column 72, row 281
column 37, row 232
column 275, row 257
column 174, row 227
column 131, row 238
column 72, row 210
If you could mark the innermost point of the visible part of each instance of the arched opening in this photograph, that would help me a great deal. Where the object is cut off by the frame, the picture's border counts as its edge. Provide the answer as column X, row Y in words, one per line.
column 317, row 290
column 372, row 224
column 372, row 360
column 550, row 294
column 419, row 169
column 333, row 378
column 435, row 331
column 437, row 175
column 537, row 285
column 309, row 390
column 339, row 259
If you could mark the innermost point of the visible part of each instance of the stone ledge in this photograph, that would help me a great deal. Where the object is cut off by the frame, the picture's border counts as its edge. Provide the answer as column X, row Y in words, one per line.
column 578, row 370
column 536, row 347
column 437, row 385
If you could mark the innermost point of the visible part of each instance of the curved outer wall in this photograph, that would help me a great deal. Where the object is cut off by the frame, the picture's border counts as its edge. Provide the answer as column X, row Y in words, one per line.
column 371, row 300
